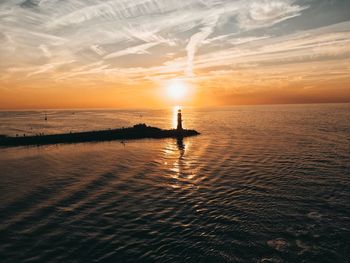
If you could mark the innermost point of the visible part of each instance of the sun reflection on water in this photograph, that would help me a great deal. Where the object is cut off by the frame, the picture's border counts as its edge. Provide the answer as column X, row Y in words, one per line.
column 178, row 164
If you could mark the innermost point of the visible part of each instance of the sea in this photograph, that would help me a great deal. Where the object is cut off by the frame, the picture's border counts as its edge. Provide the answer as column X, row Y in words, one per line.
column 259, row 184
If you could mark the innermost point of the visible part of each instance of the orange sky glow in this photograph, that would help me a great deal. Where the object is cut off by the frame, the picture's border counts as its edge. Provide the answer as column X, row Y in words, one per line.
column 126, row 54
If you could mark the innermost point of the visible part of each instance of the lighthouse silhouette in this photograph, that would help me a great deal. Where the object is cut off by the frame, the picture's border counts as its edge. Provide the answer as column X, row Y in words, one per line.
column 179, row 120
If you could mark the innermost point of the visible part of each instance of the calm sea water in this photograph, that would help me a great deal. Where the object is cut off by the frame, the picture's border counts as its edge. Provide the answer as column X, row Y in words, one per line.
column 260, row 184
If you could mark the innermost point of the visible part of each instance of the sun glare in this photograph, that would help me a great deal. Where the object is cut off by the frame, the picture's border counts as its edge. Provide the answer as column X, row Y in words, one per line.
column 177, row 90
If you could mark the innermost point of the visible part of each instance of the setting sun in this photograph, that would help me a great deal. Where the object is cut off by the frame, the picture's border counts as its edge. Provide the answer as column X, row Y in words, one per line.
column 177, row 89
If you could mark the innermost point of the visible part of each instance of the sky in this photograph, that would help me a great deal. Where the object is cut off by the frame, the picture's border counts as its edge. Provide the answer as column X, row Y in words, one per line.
column 125, row 53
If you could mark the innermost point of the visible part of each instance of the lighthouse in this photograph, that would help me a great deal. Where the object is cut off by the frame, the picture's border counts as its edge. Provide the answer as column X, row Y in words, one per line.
column 179, row 120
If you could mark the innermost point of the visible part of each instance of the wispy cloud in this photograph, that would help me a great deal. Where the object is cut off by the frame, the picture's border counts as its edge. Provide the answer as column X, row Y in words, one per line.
column 268, row 12
column 109, row 39
column 197, row 39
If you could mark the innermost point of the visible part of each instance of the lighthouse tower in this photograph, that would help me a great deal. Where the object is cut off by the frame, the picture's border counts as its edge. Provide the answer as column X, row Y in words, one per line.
column 179, row 120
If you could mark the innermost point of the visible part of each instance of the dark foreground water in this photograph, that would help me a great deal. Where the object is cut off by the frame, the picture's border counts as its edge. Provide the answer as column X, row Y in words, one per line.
column 261, row 184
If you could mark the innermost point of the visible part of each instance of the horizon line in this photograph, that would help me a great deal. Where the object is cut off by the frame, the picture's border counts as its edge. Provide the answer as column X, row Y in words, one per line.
column 171, row 106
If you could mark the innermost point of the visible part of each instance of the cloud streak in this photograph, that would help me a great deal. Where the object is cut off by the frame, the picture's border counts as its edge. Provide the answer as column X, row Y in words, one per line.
column 197, row 39
column 130, row 40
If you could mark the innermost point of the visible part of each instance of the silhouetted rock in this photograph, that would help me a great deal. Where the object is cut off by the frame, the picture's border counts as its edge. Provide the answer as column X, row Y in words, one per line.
column 138, row 131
